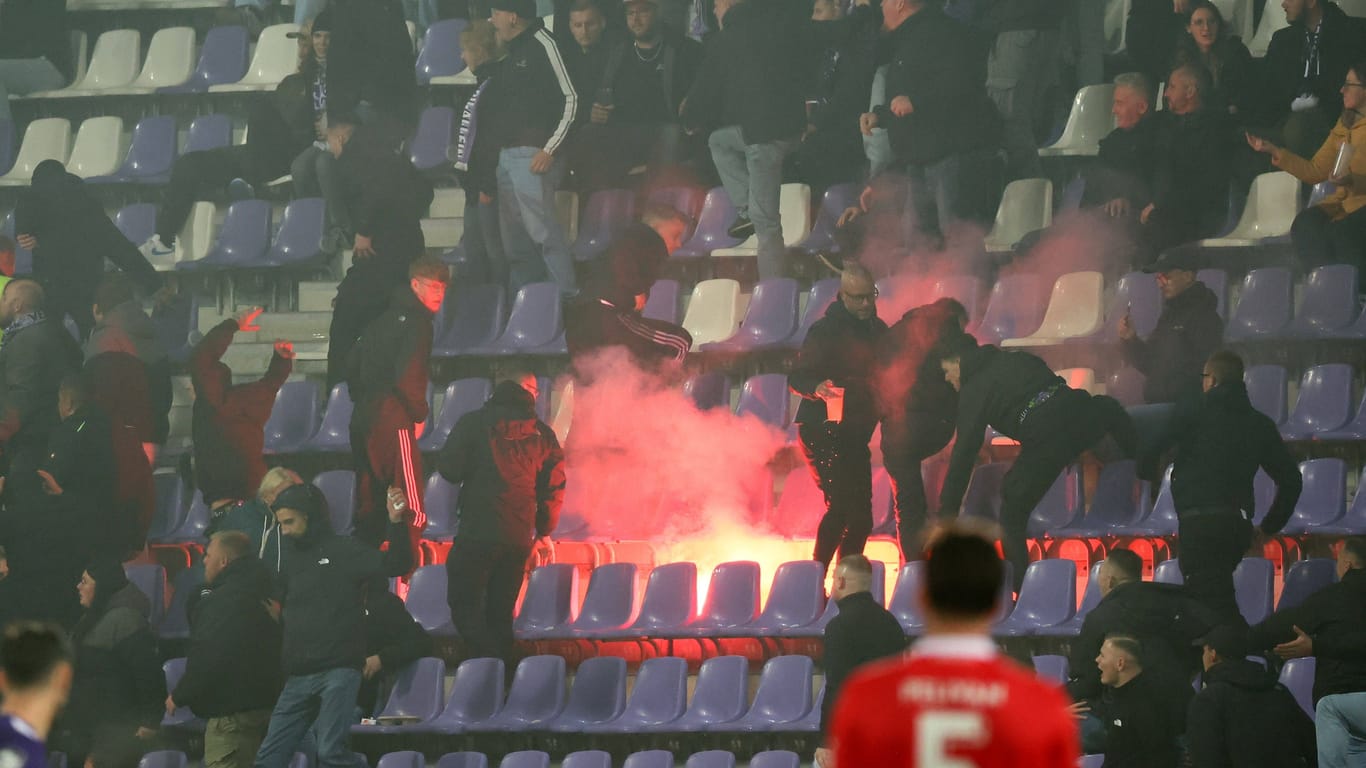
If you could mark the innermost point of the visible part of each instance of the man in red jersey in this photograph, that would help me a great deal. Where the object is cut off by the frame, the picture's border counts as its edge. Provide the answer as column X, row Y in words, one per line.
column 954, row 701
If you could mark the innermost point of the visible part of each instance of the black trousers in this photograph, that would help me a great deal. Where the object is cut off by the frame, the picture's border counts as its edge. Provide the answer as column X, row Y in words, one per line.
column 484, row 578
column 198, row 176
column 1319, row 240
column 905, row 446
column 362, row 296
column 840, row 460
column 1052, row 437
column 1212, row 544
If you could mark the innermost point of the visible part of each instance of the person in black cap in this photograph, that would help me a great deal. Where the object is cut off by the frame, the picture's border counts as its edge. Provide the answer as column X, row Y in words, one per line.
column 324, row 616
column 1188, row 331
column 1242, row 716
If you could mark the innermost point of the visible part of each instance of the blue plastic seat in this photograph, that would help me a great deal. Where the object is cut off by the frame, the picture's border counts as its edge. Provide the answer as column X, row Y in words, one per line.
column 182, row 718
column 151, row 152
column 150, row 579
column 427, row 600
column 242, row 239
column 834, row 202
column 1168, row 572
column 1298, row 676
column 334, row 434
column 222, row 60
column 657, row 700
column 708, row 390
column 193, row 525
column 207, row 132
column 463, row 760
column 608, row 212
column 441, row 502
column 712, row 758
column 1048, row 597
column 171, row 505
column 783, row 697
column 526, row 759
column 175, row 625
column 440, row 54
column 1266, row 389
column 1253, row 584
column 535, row 323
column 732, row 602
column 1089, row 600
column 769, row 321
column 775, row 758
column 1324, row 404
column 548, row 603
column 1264, row 307
column 1354, row 522
column 598, row 695
column 535, row 698
column 721, row 695
column 796, row 599
column 608, row 604
column 476, row 696
column 1014, row 309
column 470, row 318
column 650, row 758
column 293, row 418
column 404, row 759
column 1137, row 295
column 339, row 488
column 462, row 396
column 823, row 294
column 1352, row 430
column 1059, row 506
column 686, row 200
column 817, row 628
column 418, row 692
column 299, row 242
column 136, row 222
column 905, row 602
column 163, row 759
column 1329, row 303
column 588, row 758
column 670, row 600
column 1324, row 498
column 710, row 234
column 430, row 145
column 1115, row 503
column 1051, row 667
column 665, row 302
column 1304, row 579
column 766, row 397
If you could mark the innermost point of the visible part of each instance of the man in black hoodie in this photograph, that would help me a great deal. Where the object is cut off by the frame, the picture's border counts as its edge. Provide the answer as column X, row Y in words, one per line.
column 1020, row 397
column 835, row 421
column 512, row 470
column 916, row 406
column 324, row 624
column 1188, row 331
column 1141, row 727
column 1242, row 716
column 1219, row 450
column 232, row 665
column 388, row 375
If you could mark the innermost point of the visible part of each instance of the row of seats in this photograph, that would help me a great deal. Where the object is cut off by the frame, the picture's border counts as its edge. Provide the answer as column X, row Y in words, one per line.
column 591, row 758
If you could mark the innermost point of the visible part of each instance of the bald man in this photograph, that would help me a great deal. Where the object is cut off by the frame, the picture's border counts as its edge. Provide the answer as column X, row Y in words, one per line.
column 861, row 632
column 835, row 421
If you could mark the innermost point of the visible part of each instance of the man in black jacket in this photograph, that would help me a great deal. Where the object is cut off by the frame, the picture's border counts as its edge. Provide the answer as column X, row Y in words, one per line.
column 608, row 312
column 324, row 624
column 943, row 127
column 387, row 198
column 835, row 421
column 229, row 420
column 1121, row 180
column 512, row 470
column 916, row 406
column 861, row 632
column 1016, row 393
column 1330, row 625
column 1241, row 716
column 750, row 103
column 1304, row 67
column 1188, row 331
column 537, row 104
column 393, row 640
column 388, row 379
column 371, row 69
column 1140, row 725
column 1219, row 450
column 232, row 665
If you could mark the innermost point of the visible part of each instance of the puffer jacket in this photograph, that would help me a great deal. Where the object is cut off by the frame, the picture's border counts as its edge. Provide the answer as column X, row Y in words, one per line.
column 1188, row 331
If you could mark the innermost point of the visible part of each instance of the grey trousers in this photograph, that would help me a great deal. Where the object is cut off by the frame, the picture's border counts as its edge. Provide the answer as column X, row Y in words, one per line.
column 753, row 176
column 1021, row 68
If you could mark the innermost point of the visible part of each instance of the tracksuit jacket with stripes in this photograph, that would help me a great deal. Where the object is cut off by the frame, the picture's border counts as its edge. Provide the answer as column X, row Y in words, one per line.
column 536, row 101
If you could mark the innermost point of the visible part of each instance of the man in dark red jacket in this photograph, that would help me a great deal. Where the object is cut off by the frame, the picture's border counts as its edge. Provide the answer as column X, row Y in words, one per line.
column 229, row 420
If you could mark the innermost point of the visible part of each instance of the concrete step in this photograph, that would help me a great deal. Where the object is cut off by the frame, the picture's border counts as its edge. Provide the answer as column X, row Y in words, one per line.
column 442, row 233
column 250, row 360
column 447, row 203
column 295, row 326
column 316, row 296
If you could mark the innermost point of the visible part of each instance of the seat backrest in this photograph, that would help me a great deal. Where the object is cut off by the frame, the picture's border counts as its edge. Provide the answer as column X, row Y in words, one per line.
column 245, row 233
column 765, row 396
column 1330, row 298
column 339, row 489
column 300, row 235
column 294, row 415
column 170, row 58
column 670, row 596
column 1051, row 667
column 548, row 603
column 1013, row 309
column 1168, row 572
column 432, row 139
column 784, row 692
column 714, row 311
column 136, row 222
column 527, row 759
column 661, row 690
column 733, row 594
column 1261, row 39
column 982, row 499
column 440, row 54
column 1272, row 203
column 1060, row 505
column 664, row 302
column 772, row 313
column 722, row 691
column 1116, row 498
column 652, row 758
column 463, row 760
column 905, row 602
column 472, row 316
column 775, row 758
column 1252, row 583
column 610, row 600
column 47, row 138
column 1090, row 598
column 477, row 690
column 536, row 317
column 419, row 691
column 588, row 758
column 114, row 62
column 1075, row 308
column 1265, row 305
column 712, row 758
column 276, row 55
column 1324, row 498
column 150, row 579
column 405, row 759
column 599, row 692
column 708, row 390
column 336, row 423
column 1137, row 295
column 1048, row 595
column 1266, row 389
column 223, row 58
column 427, row 596
column 797, row 595
column 1026, row 206
column 1091, row 118
column 1304, row 579
column 715, row 218
column 97, row 150
column 537, row 686
column 1298, row 676
column 823, row 294
column 152, row 149
column 1325, row 401
column 208, row 132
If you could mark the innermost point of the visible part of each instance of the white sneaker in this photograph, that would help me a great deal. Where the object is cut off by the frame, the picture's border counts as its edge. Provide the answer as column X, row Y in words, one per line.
column 155, row 249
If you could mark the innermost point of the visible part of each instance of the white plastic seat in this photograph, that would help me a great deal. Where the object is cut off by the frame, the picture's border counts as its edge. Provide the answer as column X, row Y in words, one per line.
column 1091, row 119
column 1026, row 206
column 563, row 418
column 1076, row 308
column 98, row 149
column 276, row 56
column 1079, row 378
column 794, row 209
column 1273, row 19
column 170, row 61
column 196, row 237
column 48, row 138
column 113, row 64
column 1355, row 8
column 715, row 311
column 80, row 54
column 1272, row 203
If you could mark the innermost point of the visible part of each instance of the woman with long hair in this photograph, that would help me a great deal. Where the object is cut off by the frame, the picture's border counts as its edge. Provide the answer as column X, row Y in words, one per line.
column 1207, row 43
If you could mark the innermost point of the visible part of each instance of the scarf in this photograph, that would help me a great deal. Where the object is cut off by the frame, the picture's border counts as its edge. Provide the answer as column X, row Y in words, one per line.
column 21, row 322
column 469, row 121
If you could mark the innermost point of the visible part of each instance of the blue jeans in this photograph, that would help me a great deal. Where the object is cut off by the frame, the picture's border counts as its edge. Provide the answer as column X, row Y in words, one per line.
column 326, row 701
column 1340, row 728
column 753, row 176
column 533, row 240
column 24, row 76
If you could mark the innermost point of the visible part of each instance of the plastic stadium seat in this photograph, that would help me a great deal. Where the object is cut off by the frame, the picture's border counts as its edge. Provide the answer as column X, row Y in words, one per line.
column 794, row 210
column 714, row 311
column 588, row 758
column 712, row 222
column 1304, row 579
column 427, row 600
column 817, row 628
column 1168, row 572
column 1324, row 403
column 732, row 602
column 1075, row 309
column 1051, row 667
column 686, row 200
column 670, row 600
column 339, row 488
column 299, row 240
column 1353, row 430
column 1089, row 599
column 658, row 698
column 1091, row 761
column 293, row 417
column 195, row 522
column 1329, row 303
column 535, row 698
column 1013, row 309
column 275, row 58
column 1137, row 295
column 1059, row 506
column 441, row 503
column 1048, row 597
column 150, row 578
column 1261, row 38
column 1026, row 206
column 765, row 397
column 463, row 760
column 721, row 695
column 404, row 759
column 664, row 302
column 1114, row 502
column 1126, row 386
column 136, row 222
column 476, row 695
column 1253, row 583
column 1324, row 499
column 982, row 498
column 470, row 318
column 222, row 60
column 174, row 669
column 1352, row 523
column 836, row 200
column 548, row 604
column 1090, row 120
column 170, row 504
column 598, row 695
column 1356, row 330
column 1272, row 203
column 536, row 321
column 1266, row 389
column 650, row 758
column 96, row 149
column 431, row 142
column 175, row 625
column 608, row 212
column 418, row 692
column 708, row 390
column 242, row 238
column 823, row 294
column 795, row 599
column 170, row 61
column 462, row 396
column 114, row 64
column 712, row 758
column 770, row 318
column 334, row 434
column 163, row 759
column 609, row 603
column 151, row 152
column 775, row 758
column 1298, row 676
column 439, row 59
column 783, row 697
column 905, row 600
column 1161, row 521
column 527, row 759
column 208, row 132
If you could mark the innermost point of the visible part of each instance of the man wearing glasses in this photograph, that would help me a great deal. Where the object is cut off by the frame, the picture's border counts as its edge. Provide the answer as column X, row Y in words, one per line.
column 836, row 418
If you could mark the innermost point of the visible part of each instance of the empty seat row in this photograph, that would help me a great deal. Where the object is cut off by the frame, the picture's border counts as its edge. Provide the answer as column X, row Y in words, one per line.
column 1324, row 406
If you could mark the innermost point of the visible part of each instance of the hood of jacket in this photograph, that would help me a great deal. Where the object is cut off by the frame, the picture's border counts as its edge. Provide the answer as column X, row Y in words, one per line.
column 126, row 328
column 513, row 411
column 1241, row 673
column 975, row 359
column 308, row 499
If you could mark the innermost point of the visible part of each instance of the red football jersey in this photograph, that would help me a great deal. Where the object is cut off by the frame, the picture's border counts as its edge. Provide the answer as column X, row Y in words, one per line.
column 952, row 702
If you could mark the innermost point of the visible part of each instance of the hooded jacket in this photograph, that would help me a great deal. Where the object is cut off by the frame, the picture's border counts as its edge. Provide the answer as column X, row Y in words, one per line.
column 388, row 196
column 118, row 678
column 843, row 349
column 232, row 664
column 1335, row 617
column 229, row 419
column 1243, row 718
column 387, row 368
column 1342, row 39
column 1173, row 356
column 512, row 469
column 35, row 355
column 1219, row 450
column 536, row 101
column 126, row 329
column 321, row 584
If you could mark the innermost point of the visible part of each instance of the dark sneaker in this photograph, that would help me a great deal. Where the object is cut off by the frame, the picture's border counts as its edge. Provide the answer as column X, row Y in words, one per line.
column 741, row 228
